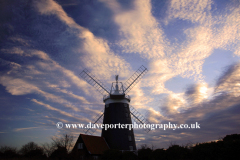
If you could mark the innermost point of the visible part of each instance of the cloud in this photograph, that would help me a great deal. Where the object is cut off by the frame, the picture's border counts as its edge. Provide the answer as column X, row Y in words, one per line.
column 196, row 93
column 20, row 40
column 96, row 53
column 140, row 31
column 171, row 104
column 46, row 64
column 217, row 114
column 27, row 53
column 21, row 129
column 229, row 81
column 189, row 61
column 12, row 66
column 21, row 87
column 154, row 116
column 100, row 59
column 237, row 51
column 69, row 93
column 195, row 11
column 159, row 72
column 17, row 86
column 142, row 34
column 48, row 7
column 49, row 70
column 139, row 98
column 197, row 102
column 201, row 39
column 217, row 117
column 14, row 50
column 227, row 32
column 60, row 111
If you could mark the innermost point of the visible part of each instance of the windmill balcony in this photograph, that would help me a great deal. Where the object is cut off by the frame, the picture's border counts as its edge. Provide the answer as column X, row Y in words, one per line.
column 105, row 97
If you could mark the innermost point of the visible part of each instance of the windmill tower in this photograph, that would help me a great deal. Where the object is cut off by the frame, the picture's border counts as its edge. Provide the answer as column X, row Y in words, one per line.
column 117, row 110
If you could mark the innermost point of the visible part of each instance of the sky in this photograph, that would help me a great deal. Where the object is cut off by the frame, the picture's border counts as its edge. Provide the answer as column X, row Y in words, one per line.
column 190, row 48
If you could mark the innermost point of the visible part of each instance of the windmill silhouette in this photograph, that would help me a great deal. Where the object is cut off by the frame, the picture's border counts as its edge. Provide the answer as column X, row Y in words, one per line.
column 117, row 110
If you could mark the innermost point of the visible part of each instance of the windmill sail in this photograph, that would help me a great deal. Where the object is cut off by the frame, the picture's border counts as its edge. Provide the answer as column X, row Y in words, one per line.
column 98, row 119
column 135, row 78
column 93, row 81
column 138, row 118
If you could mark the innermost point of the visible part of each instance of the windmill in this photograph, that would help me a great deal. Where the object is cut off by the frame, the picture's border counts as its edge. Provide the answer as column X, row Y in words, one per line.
column 117, row 110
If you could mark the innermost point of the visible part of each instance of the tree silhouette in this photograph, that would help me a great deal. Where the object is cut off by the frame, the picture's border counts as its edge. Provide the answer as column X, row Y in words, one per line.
column 33, row 151
column 59, row 154
column 232, row 137
column 8, row 152
column 177, row 152
column 159, row 154
column 65, row 141
column 144, row 152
